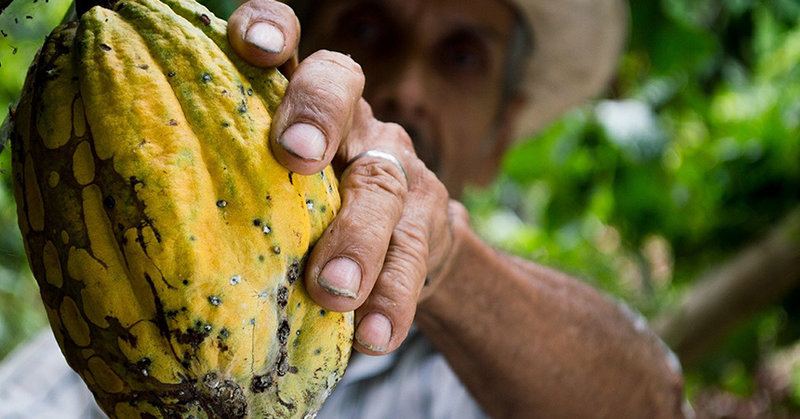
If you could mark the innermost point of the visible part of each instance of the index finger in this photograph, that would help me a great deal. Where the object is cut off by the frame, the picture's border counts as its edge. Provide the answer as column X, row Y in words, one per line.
column 264, row 33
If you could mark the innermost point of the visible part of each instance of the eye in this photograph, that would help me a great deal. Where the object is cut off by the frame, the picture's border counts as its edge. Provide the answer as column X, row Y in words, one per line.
column 362, row 29
column 464, row 54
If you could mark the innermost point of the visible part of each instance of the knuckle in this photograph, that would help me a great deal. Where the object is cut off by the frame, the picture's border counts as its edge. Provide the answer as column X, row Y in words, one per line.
column 322, row 100
column 341, row 62
column 440, row 193
column 411, row 245
column 364, row 109
column 429, row 184
column 326, row 86
column 396, row 292
column 398, row 134
column 377, row 176
column 429, row 179
column 457, row 211
column 369, row 231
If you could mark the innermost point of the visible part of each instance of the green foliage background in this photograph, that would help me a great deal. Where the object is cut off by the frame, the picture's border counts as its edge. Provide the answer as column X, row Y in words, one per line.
column 694, row 153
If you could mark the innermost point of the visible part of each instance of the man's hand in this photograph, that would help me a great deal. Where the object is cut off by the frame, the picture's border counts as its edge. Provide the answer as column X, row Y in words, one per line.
column 393, row 229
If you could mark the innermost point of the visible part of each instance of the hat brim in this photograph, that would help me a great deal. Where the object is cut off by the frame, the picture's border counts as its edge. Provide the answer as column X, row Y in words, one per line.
column 577, row 45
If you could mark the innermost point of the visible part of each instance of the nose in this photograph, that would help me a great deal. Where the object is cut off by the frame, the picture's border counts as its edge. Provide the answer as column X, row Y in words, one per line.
column 399, row 94
column 402, row 94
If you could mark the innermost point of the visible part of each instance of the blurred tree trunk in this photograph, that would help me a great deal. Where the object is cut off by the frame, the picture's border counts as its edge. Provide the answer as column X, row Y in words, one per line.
column 758, row 275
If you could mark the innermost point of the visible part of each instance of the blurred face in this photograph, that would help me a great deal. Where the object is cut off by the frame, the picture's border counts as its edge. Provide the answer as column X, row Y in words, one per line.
column 434, row 66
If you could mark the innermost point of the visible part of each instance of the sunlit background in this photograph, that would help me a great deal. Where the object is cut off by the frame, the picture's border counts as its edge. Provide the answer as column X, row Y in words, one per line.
column 679, row 186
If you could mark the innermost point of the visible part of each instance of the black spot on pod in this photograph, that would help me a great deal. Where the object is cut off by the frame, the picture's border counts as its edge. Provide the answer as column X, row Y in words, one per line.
column 257, row 222
column 282, row 366
column 205, row 19
column 143, row 364
column 260, row 383
column 143, row 66
column 206, row 77
column 322, row 312
column 283, row 297
column 109, row 202
column 293, row 272
column 222, row 203
column 214, row 300
column 51, row 72
column 290, row 178
column 276, row 250
column 105, row 47
column 220, row 398
column 171, row 74
column 223, row 333
column 283, row 332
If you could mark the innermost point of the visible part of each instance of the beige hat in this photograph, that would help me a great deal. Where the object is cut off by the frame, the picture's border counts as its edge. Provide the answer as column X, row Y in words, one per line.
column 577, row 44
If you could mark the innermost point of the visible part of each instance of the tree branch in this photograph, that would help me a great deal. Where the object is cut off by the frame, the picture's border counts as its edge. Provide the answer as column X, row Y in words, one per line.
column 758, row 275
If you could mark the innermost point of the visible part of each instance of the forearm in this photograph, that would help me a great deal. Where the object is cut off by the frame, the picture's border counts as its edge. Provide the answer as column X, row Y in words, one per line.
column 528, row 341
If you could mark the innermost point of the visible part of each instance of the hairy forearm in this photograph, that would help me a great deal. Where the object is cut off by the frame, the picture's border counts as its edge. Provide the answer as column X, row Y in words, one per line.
column 531, row 342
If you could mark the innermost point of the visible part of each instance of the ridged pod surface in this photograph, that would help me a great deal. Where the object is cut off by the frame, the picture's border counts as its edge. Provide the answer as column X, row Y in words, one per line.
column 167, row 241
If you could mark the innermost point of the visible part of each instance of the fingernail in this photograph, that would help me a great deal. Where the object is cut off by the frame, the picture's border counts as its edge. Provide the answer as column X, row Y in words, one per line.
column 341, row 276
column 265, row 37
column 374, row 332
column 304, row 140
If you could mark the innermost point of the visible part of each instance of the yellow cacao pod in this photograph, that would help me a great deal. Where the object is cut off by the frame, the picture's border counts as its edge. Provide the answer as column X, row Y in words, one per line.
column 167, row 241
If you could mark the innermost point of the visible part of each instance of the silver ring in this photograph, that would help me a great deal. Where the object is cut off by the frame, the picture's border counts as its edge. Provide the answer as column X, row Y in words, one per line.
column 381, row 155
